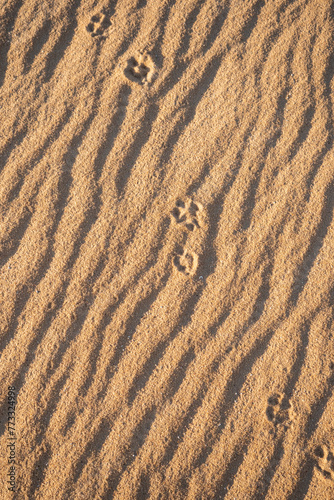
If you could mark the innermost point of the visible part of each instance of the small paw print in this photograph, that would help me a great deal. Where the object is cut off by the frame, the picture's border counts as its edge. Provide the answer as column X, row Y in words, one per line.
column 186, row 262
column 325, row 462
column 279, row 411
column 98, row 25
column 187, row 213
column 140, row 69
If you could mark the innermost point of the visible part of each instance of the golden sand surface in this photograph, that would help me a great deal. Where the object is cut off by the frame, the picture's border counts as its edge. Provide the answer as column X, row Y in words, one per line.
column 167, row 249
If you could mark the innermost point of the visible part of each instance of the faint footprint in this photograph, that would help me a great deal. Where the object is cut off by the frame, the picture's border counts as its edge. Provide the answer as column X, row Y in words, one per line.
column 98, row 25
column 140, row 69
column 188, row 213
column 325, row 462
column 186, row 262
column 279, row 411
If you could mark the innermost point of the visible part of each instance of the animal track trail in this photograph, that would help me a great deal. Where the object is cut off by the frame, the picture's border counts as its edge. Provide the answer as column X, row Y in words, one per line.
column 186, row 262
column 279, row 411
column 325, row 462
column 98, row 25
column 188, row 213
column 140, row 69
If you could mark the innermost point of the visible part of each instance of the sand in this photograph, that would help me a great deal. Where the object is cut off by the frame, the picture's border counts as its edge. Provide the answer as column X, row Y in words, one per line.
column 166, row 238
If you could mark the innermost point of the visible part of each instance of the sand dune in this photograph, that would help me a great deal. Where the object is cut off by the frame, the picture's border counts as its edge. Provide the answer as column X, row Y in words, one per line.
column 166, row 239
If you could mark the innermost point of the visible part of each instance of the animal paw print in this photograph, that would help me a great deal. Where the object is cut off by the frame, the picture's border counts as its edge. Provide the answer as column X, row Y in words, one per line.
column 279, row 411
column 140, row 69
column 187, row 213
column 325, row 462
column 98, row 24
column 186, row 262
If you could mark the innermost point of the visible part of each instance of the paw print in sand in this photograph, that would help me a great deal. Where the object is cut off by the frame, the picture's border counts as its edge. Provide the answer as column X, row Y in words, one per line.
column 186, row 262
column 98, row 25
column 188, row 213
column 325, row 462
column 140, row 69
column 279, row 411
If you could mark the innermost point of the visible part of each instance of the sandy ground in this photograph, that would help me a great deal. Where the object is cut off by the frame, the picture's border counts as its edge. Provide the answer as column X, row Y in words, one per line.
column 166, row 238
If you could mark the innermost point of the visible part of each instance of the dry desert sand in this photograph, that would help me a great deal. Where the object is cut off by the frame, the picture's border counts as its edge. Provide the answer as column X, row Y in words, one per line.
column 167, row 237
